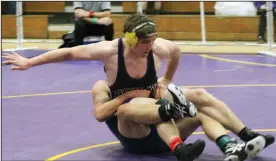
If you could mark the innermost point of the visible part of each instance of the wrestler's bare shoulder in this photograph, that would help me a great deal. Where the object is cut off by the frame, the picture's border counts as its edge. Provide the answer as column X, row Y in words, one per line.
column 160, row 42
column 163, row 47
column 108, row 48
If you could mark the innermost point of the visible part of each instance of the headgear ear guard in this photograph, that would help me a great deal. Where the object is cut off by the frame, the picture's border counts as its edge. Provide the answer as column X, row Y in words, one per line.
column 131, row 38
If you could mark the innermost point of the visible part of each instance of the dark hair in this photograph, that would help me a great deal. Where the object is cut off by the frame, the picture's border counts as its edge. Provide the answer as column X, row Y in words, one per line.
column 136, row 20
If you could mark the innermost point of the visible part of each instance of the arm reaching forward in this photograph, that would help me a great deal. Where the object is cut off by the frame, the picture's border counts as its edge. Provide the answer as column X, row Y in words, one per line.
column 97, row 51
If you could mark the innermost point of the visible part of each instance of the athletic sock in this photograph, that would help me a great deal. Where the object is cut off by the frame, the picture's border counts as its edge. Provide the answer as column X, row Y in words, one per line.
column 222, row 142
column 247, row 134
column 174, row 142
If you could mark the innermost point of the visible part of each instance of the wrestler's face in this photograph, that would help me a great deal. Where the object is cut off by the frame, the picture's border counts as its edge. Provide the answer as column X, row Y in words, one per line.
column 144, row 45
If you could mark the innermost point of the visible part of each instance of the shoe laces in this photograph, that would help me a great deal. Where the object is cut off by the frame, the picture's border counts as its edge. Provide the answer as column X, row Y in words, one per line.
column 234, row 147
column 180, row 110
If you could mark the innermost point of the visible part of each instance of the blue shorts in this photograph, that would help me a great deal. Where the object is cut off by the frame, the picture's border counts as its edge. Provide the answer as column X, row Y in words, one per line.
column 148, row 145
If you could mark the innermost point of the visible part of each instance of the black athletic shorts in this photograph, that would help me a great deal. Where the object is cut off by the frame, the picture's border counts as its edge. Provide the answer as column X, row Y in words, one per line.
column 148, row 145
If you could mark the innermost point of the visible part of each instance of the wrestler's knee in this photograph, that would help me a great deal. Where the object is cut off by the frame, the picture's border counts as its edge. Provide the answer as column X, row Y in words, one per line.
column 124, row 112
column 99, row 83
column 142, row 100
column 200, row 116
column 128, row 110
column 208, row 100
column 202, row 97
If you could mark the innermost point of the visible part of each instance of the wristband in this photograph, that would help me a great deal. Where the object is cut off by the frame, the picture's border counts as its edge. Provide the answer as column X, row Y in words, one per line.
column 91, row 14
column 94, row 20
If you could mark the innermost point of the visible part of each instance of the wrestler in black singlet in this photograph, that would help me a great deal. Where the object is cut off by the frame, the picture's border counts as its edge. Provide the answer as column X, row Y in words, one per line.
column 152, row 143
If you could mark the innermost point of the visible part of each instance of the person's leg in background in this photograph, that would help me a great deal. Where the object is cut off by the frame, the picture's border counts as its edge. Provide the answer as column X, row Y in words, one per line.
column 152, row 7
column 274, row 20
column 145, row 6
column 157, row 7
column 12, row 7
column 81, row 30
column 262, row 26
column 108, row 32
column 101, row 30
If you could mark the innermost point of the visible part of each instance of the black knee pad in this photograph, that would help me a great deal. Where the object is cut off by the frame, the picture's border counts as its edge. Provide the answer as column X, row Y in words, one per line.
column 162, row 109
column 162, row 102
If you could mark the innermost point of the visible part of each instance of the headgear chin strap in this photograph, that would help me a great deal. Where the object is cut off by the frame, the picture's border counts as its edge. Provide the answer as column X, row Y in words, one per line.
column 131, row 38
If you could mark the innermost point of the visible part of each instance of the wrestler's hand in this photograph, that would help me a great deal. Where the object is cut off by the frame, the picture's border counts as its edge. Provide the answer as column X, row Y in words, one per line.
column 160, row 89
column 137, row 93
column 163, row 81
column 19, row 62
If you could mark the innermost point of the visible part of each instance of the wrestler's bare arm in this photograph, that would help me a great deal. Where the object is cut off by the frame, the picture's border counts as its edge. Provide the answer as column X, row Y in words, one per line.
column 104, row 107
column 172, row 60
column 171, row 53
column 98, row 51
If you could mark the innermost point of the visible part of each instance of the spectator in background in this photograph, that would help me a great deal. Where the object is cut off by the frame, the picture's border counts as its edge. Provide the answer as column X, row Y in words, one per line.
column 12, row 7
column 156, row 8
column 8, row 7
column 93, row 19
column 262, row 8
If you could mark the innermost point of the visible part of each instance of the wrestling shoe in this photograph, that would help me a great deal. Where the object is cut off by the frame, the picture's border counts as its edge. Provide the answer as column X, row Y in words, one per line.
column 189, row 152
column 249, row 134
column 182, row 107
column 239, row 151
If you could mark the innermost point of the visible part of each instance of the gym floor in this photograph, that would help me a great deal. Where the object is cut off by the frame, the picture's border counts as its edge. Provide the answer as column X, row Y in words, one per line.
column 47, row 110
